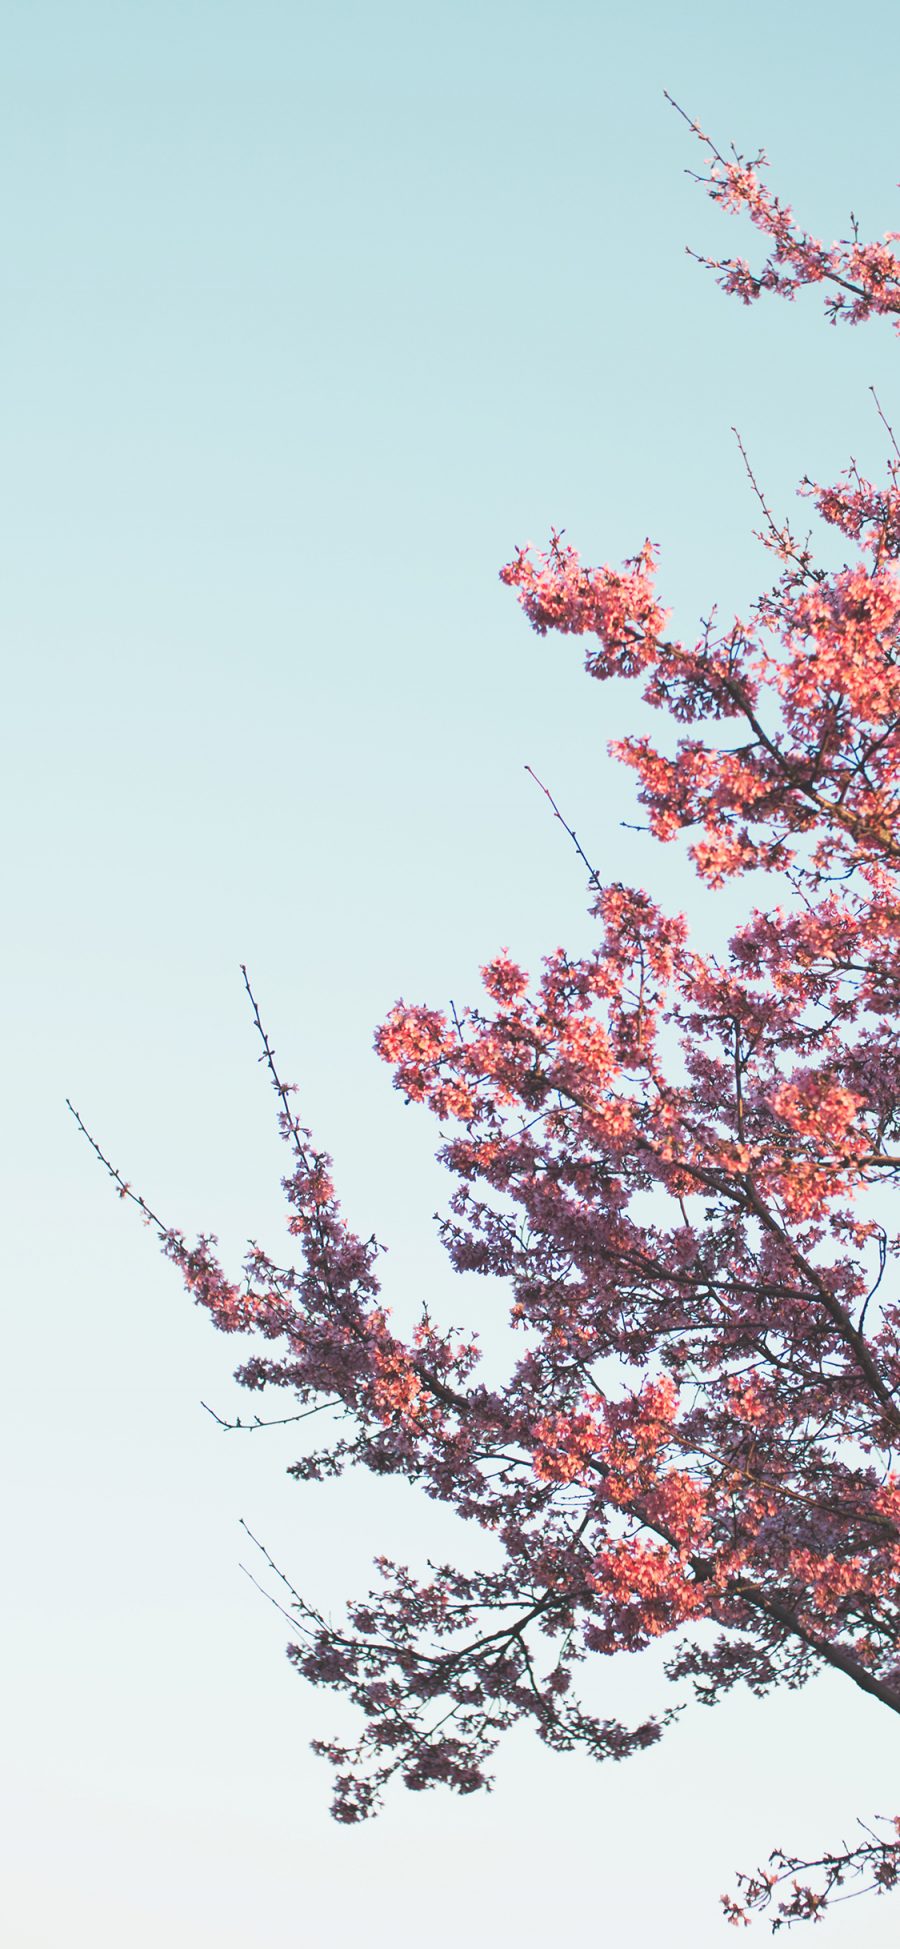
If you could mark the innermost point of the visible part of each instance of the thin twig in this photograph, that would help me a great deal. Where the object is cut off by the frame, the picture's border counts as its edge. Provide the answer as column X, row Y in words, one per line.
column 125, row 1190
column 276, row 1572
column 594, row 875
column 280, row 1088
column 292, row 1621
column 281, row 1421
column 885, row 421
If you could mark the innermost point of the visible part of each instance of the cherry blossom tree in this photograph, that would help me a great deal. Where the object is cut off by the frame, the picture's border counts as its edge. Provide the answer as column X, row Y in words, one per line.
column 677, row 1163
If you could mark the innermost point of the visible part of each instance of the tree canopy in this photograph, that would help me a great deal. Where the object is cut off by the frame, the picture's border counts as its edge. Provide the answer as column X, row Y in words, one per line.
column 678, row 1164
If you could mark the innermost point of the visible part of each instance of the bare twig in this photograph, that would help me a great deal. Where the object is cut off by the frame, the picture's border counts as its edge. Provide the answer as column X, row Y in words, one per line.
column 280, row 1421
column 124, row 1188
column 885, row 421
column 594, row 875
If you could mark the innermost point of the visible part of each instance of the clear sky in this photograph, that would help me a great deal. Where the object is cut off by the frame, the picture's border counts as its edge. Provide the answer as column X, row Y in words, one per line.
column 312, row 312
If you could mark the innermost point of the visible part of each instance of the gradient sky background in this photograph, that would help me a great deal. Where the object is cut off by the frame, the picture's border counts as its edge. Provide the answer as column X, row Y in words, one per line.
column 311, row 313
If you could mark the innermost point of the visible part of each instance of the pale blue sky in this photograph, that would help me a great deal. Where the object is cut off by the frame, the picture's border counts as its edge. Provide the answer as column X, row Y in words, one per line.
column 310, row 314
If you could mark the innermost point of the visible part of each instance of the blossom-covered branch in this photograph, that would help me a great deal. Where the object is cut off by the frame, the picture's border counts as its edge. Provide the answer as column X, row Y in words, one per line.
column 862, row 279
column 676, row 1166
